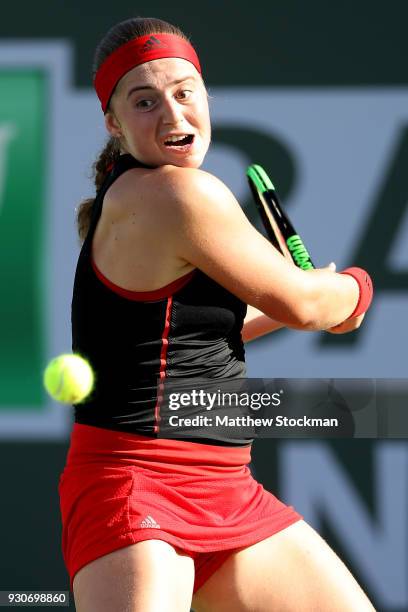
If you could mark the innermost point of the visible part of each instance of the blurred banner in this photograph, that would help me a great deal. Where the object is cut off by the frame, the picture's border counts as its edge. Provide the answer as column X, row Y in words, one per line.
column 22, row 229
column 338, row 156
column 343, row 182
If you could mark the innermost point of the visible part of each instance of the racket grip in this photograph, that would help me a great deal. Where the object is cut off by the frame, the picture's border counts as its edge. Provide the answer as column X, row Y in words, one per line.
column 366, row 290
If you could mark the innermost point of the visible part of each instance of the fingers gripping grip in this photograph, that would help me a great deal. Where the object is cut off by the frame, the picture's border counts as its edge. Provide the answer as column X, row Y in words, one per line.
column 366, row 290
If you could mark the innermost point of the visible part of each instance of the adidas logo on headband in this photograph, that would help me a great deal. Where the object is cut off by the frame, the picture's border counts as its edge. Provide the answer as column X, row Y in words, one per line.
column 152, row 43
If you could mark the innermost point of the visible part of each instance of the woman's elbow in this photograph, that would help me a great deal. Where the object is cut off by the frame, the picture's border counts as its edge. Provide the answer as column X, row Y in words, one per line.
column 306, row 318
column 306, row 311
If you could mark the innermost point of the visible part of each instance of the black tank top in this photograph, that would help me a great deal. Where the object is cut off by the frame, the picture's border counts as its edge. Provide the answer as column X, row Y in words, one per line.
column 189, row 329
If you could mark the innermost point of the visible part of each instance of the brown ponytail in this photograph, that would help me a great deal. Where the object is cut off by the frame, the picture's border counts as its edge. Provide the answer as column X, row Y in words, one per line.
column 116, row 36
column 101, row 168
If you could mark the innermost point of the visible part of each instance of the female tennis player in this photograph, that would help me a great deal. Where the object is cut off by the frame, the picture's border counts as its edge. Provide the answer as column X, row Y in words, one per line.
column 168, row 265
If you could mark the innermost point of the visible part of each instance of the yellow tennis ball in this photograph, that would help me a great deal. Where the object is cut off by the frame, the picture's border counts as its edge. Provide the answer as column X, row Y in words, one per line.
column 69, row 378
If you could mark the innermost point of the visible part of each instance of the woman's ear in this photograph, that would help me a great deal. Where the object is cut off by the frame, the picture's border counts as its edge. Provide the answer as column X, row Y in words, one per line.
column 112, row 125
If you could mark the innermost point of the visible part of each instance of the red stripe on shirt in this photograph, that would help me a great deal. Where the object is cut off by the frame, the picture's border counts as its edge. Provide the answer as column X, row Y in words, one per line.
column 163, row 363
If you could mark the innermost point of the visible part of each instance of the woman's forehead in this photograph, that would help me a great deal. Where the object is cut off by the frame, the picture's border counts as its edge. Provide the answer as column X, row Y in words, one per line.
column 160, row 72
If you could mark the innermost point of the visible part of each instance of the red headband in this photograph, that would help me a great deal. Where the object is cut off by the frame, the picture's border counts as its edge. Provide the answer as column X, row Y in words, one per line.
column 138, row 51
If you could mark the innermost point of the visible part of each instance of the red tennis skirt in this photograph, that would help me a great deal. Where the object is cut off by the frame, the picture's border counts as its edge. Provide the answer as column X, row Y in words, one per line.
column 119, row 488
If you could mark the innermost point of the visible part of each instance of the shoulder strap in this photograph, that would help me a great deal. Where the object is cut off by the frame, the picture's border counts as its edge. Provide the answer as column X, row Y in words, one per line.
column 123, row 163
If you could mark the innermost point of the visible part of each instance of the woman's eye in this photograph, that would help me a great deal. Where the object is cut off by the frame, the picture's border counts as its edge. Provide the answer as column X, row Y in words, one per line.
column 185, row 94
column 144, row 104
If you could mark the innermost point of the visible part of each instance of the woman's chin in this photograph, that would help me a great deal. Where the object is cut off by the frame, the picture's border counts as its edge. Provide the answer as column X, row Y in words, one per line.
column 188, row 161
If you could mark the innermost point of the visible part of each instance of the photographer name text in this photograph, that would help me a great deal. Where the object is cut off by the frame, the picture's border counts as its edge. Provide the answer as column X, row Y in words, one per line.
column 248, row 421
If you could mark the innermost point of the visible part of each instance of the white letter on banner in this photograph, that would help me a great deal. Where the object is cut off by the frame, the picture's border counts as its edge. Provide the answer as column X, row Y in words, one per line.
column 313, row 480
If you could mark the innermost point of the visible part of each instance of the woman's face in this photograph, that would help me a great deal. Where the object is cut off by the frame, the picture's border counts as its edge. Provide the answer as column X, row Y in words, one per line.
column 159, row 110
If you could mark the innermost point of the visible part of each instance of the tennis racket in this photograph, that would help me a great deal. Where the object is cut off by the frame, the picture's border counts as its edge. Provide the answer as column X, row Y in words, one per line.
column 277, row 224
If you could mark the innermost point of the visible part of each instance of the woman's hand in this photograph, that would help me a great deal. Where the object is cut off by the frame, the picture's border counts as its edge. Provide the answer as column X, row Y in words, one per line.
column 347, row 326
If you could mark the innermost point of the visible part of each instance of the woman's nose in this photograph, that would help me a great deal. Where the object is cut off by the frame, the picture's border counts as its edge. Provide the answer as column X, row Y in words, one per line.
column 172, row 112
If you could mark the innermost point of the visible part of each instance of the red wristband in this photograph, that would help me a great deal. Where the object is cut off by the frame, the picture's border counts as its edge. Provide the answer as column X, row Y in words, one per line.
column 366, row 290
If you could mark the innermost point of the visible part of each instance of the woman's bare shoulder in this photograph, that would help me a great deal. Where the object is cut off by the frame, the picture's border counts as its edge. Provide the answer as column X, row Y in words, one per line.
column 168, row 187
column 178, row 179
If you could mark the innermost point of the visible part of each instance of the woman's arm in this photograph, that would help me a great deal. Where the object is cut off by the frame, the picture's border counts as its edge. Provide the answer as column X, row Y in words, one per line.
column 206, row 227
column 257, row 324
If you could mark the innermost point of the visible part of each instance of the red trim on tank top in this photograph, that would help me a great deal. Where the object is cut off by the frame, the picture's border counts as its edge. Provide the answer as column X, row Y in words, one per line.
column 144, row 296
column 163, row 363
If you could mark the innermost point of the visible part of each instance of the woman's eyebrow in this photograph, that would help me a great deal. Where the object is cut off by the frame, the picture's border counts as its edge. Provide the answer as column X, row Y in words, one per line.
column 176, row 82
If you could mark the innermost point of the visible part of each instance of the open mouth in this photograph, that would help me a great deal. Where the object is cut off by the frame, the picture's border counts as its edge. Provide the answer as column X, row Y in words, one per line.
column 179, row 141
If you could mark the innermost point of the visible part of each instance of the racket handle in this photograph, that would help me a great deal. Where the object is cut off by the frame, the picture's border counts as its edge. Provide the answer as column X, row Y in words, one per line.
column 366, row 290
